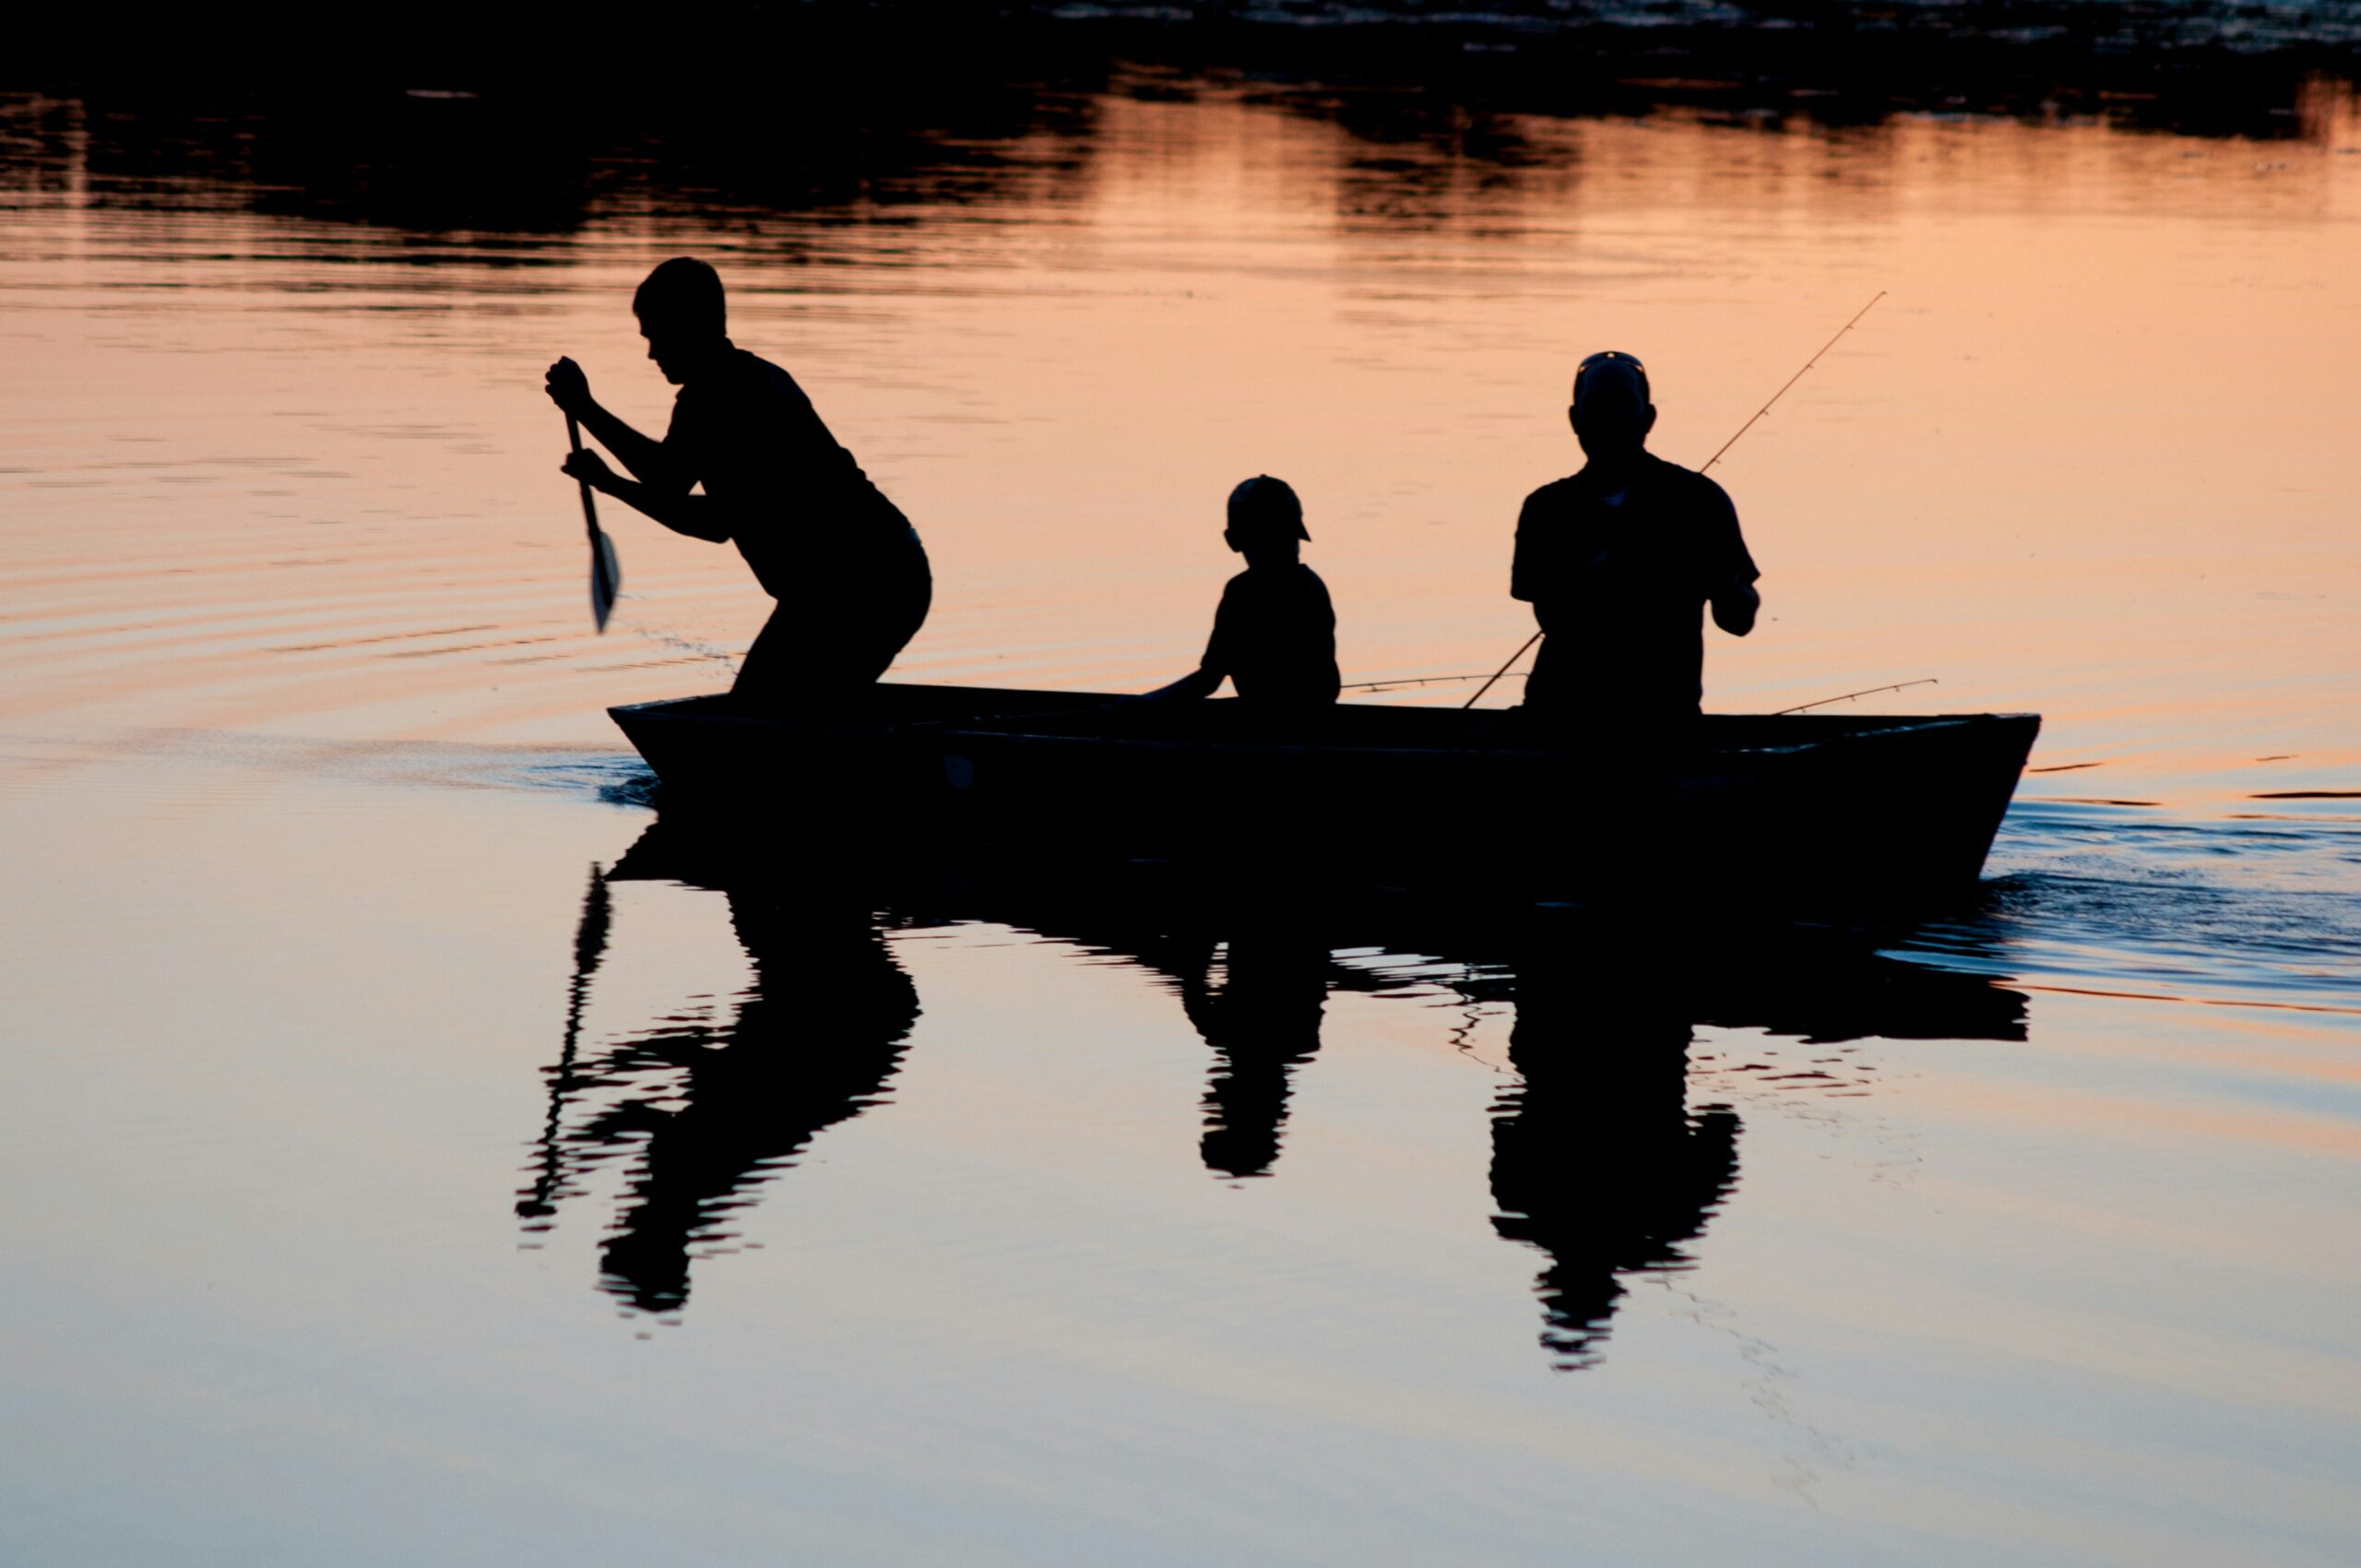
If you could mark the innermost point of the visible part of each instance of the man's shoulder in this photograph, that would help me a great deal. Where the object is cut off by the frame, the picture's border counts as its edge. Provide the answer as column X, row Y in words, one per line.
column 1687, row 484
column 1558, row 493
column 760, row 372
column 741, row 379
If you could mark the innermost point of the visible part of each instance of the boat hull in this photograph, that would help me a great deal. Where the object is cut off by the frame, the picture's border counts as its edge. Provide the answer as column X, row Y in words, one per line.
column 1805, row 812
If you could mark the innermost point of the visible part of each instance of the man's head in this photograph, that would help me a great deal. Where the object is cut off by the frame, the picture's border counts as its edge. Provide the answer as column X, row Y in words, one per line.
column 681, row 315
column 1265, row 520
column 1612, row 412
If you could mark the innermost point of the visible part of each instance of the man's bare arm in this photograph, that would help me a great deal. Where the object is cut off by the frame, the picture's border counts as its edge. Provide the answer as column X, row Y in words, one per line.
column 1735, row 606
column 696, row 516
column 644, row 456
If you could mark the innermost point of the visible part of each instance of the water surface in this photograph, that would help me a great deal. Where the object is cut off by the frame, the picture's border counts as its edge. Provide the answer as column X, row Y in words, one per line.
column 410, row 1163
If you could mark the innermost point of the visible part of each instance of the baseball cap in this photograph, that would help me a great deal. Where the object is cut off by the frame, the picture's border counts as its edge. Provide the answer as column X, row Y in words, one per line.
column 1615, row 365
column 1263, row 505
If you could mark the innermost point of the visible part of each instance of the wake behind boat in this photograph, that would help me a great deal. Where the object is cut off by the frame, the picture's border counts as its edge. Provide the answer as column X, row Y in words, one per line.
column 1806, row 812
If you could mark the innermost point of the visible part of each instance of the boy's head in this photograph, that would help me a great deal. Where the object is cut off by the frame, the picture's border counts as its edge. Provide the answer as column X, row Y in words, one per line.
column 1265, row 520
column 680, row 314
column 1612, row 412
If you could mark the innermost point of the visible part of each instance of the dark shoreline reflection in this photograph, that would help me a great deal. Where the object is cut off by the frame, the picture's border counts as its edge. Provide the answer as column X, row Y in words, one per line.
column 849, row 125
column 513, row 161
column 2197, row 67
column 1599, row 1161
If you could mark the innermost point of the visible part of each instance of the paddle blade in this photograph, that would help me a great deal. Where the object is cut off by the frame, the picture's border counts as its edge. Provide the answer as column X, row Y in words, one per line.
column 606, row 578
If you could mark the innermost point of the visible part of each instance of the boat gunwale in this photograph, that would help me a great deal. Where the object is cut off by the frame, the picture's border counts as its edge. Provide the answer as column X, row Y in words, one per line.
column 1874, row 727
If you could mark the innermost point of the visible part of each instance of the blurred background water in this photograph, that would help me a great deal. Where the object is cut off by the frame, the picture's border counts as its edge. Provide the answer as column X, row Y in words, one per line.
column 389, row 1182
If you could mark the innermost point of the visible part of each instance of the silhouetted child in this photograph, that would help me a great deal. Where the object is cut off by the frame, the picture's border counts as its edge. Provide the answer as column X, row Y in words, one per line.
column 1275, row 634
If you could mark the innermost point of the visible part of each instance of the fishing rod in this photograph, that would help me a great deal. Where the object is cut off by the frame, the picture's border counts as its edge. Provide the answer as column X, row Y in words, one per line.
column 1848, row 697
column 1411, row 681
column 1716, row 458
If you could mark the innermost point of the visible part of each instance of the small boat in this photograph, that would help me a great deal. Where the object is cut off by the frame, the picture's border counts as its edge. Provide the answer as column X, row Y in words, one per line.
column 1807, row 813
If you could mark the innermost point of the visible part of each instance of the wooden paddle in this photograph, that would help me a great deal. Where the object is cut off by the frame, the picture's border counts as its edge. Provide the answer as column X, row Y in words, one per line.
column 606, row 574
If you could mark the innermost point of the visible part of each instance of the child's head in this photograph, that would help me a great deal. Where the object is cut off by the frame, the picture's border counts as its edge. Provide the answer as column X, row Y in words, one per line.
column 1265, row 520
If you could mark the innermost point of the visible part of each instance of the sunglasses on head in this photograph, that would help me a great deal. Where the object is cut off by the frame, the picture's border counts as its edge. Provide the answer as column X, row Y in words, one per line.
column 1610, row 357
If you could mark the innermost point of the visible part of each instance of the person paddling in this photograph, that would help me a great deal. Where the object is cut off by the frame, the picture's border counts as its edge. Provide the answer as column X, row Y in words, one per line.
column 847, row 569
column 1619, row 562
column 1274, row 632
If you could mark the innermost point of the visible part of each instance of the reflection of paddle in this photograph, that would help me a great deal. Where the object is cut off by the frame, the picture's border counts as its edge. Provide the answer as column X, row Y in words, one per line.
column 606, row 576
column 589, row 946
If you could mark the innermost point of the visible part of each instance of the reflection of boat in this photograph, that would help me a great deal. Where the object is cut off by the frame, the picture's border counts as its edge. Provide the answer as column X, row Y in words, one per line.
column 1600, row 1161
column 1799, row 810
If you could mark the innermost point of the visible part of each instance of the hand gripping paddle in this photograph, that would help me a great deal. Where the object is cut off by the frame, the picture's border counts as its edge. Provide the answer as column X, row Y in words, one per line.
column 606, row 575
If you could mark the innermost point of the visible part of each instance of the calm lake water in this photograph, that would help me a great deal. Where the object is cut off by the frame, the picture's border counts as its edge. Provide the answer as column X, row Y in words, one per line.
column 388, row 1183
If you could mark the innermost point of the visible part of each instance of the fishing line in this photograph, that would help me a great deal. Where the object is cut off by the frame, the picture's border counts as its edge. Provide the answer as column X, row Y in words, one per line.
column 1709, row 463
column 678, row 641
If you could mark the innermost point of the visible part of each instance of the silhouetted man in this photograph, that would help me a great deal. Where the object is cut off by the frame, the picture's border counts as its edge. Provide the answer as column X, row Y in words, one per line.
column 1620, row 560
column 844, row 565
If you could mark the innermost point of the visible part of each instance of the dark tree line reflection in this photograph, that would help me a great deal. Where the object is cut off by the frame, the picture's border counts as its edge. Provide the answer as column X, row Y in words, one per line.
column 1600, row 1163
column 824, row 112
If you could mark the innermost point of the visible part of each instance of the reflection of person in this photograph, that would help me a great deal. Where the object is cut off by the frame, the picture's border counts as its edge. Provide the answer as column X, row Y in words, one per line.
column 844, row 565
column 1263, row 1022
column 1619, row 561
column 1274, row 632
column 817, row 1036
column 1596, row 1159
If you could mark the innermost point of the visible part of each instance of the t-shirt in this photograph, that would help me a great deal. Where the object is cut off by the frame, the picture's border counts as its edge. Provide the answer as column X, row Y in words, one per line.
column 796, row 504
column 1621, row 589
column 1274, row 637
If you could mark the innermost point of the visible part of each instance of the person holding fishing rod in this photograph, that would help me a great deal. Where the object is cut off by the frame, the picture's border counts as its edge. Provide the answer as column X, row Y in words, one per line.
column 847, row 569
column 1619, row 563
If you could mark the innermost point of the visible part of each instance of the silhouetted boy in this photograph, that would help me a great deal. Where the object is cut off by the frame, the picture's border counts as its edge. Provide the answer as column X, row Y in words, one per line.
column 844, row 565
column 1274, row 634
column 1619, row 561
